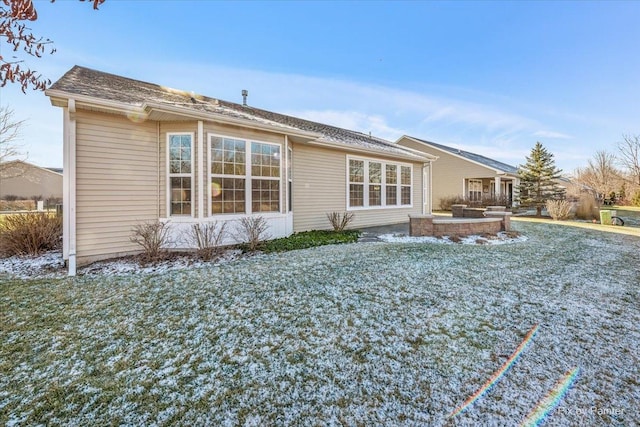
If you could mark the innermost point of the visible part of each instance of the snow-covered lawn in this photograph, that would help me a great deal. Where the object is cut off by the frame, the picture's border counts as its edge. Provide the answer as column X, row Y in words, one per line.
column 360, row 334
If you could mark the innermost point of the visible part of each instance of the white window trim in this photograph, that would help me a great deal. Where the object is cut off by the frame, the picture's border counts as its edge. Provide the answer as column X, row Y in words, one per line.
column 247, row 177
column 289, row 171
column 170, row 175
column 471, row 182
column 366, row 184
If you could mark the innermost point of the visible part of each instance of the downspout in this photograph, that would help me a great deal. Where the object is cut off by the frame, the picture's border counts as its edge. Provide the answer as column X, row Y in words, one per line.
column 285, row 154
column 70, row 151
column 65, row 184
column 200, row 175
column 158, row 157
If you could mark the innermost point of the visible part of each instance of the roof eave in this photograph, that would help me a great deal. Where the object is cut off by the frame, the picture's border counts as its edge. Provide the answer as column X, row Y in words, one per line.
column 60, row 99
column 370, row 151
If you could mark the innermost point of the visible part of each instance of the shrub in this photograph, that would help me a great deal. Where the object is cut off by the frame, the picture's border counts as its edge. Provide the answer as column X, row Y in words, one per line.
column 310, row 239
column 446, row 202
column 502, row 200
column 251, row 231
column 30, row 233
column 340, row 220
column 559, row 209
column 635, row 200
column 208, row 238
column 11, row 197
column 587, row 207
column 153, row 237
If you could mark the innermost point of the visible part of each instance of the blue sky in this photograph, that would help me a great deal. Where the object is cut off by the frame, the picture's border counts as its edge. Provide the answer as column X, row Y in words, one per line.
column 488, row 77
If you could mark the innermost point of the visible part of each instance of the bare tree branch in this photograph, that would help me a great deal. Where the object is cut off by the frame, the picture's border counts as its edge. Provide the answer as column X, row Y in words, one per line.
column 9, row 136
column 13, row 13
column 629, row 150
column 600, row 174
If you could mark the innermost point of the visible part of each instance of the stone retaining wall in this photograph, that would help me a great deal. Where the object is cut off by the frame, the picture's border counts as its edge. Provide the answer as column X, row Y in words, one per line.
column 427, row 225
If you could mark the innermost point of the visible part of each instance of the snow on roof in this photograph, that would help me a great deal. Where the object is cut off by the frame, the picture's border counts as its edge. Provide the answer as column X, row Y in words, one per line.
column 136, row 93
column 494, row 164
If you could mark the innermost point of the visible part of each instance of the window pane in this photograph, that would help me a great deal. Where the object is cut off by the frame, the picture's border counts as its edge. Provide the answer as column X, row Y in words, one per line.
column 375, row 173
column 406, row 195
column 227, row 156
column 356, row 171
column 265, row 160
column 265, row 195
column 180, row 154
column 227, row 195
column 180, row 193
column 392, row 174
column 392, row 195
column 356, row 195
column 375, row 195
column 405, row 178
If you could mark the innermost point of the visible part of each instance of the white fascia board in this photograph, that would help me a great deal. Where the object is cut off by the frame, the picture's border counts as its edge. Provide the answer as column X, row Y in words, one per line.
column 90, row 101
column 144, row 110
column 370, row 151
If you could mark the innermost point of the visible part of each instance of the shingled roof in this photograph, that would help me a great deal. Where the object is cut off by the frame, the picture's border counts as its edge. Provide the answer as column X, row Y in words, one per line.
column 85, row 82
column 486, row 161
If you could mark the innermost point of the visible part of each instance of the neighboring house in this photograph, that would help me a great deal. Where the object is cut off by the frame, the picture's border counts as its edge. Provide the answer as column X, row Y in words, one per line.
column 136, row 151
column 461, row 173
column 27, row 181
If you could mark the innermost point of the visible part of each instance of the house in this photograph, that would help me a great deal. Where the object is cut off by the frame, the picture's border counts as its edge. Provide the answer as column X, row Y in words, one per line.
column 136, row 151
column 27, row 181
column 461, row 173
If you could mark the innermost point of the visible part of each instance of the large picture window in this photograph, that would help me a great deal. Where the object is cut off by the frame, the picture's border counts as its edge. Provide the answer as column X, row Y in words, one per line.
column 180, row 165
column 244, row 176
column 373, row 184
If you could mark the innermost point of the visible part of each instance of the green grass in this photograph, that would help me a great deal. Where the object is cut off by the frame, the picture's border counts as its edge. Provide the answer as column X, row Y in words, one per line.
column 310, row 239
column 362, row 334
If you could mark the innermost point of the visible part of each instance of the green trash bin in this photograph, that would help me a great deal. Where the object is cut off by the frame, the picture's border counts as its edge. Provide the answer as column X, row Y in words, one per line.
column 605, row 217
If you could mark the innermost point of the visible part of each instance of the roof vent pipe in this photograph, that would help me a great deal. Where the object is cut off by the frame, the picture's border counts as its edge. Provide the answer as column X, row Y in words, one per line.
column 245, row 93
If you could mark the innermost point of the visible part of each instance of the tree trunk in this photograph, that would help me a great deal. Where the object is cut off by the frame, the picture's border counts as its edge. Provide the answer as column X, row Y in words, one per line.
column 539, row 211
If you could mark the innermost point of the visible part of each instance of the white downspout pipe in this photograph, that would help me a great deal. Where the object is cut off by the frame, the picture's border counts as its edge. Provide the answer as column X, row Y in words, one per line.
column 200, row 175
column 70, row 172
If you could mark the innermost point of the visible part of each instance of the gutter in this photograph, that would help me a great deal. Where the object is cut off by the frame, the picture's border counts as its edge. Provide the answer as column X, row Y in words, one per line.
column 355, row 148
column 148, row 107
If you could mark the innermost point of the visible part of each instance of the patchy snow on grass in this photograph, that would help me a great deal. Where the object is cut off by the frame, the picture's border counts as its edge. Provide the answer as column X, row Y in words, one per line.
column 51, row 265
column 500, row 238
column 395, row 334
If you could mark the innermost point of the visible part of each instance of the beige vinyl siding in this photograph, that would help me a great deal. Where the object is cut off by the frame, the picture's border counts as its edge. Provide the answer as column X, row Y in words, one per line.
column 319, row 187
column 449, row 172
column 117, row 182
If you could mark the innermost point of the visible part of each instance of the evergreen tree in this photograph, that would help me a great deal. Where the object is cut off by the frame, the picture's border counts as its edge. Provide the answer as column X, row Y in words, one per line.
column 538, row 179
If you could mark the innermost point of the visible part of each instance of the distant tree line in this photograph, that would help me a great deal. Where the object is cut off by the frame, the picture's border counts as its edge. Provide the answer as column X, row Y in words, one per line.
column 614, row 176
